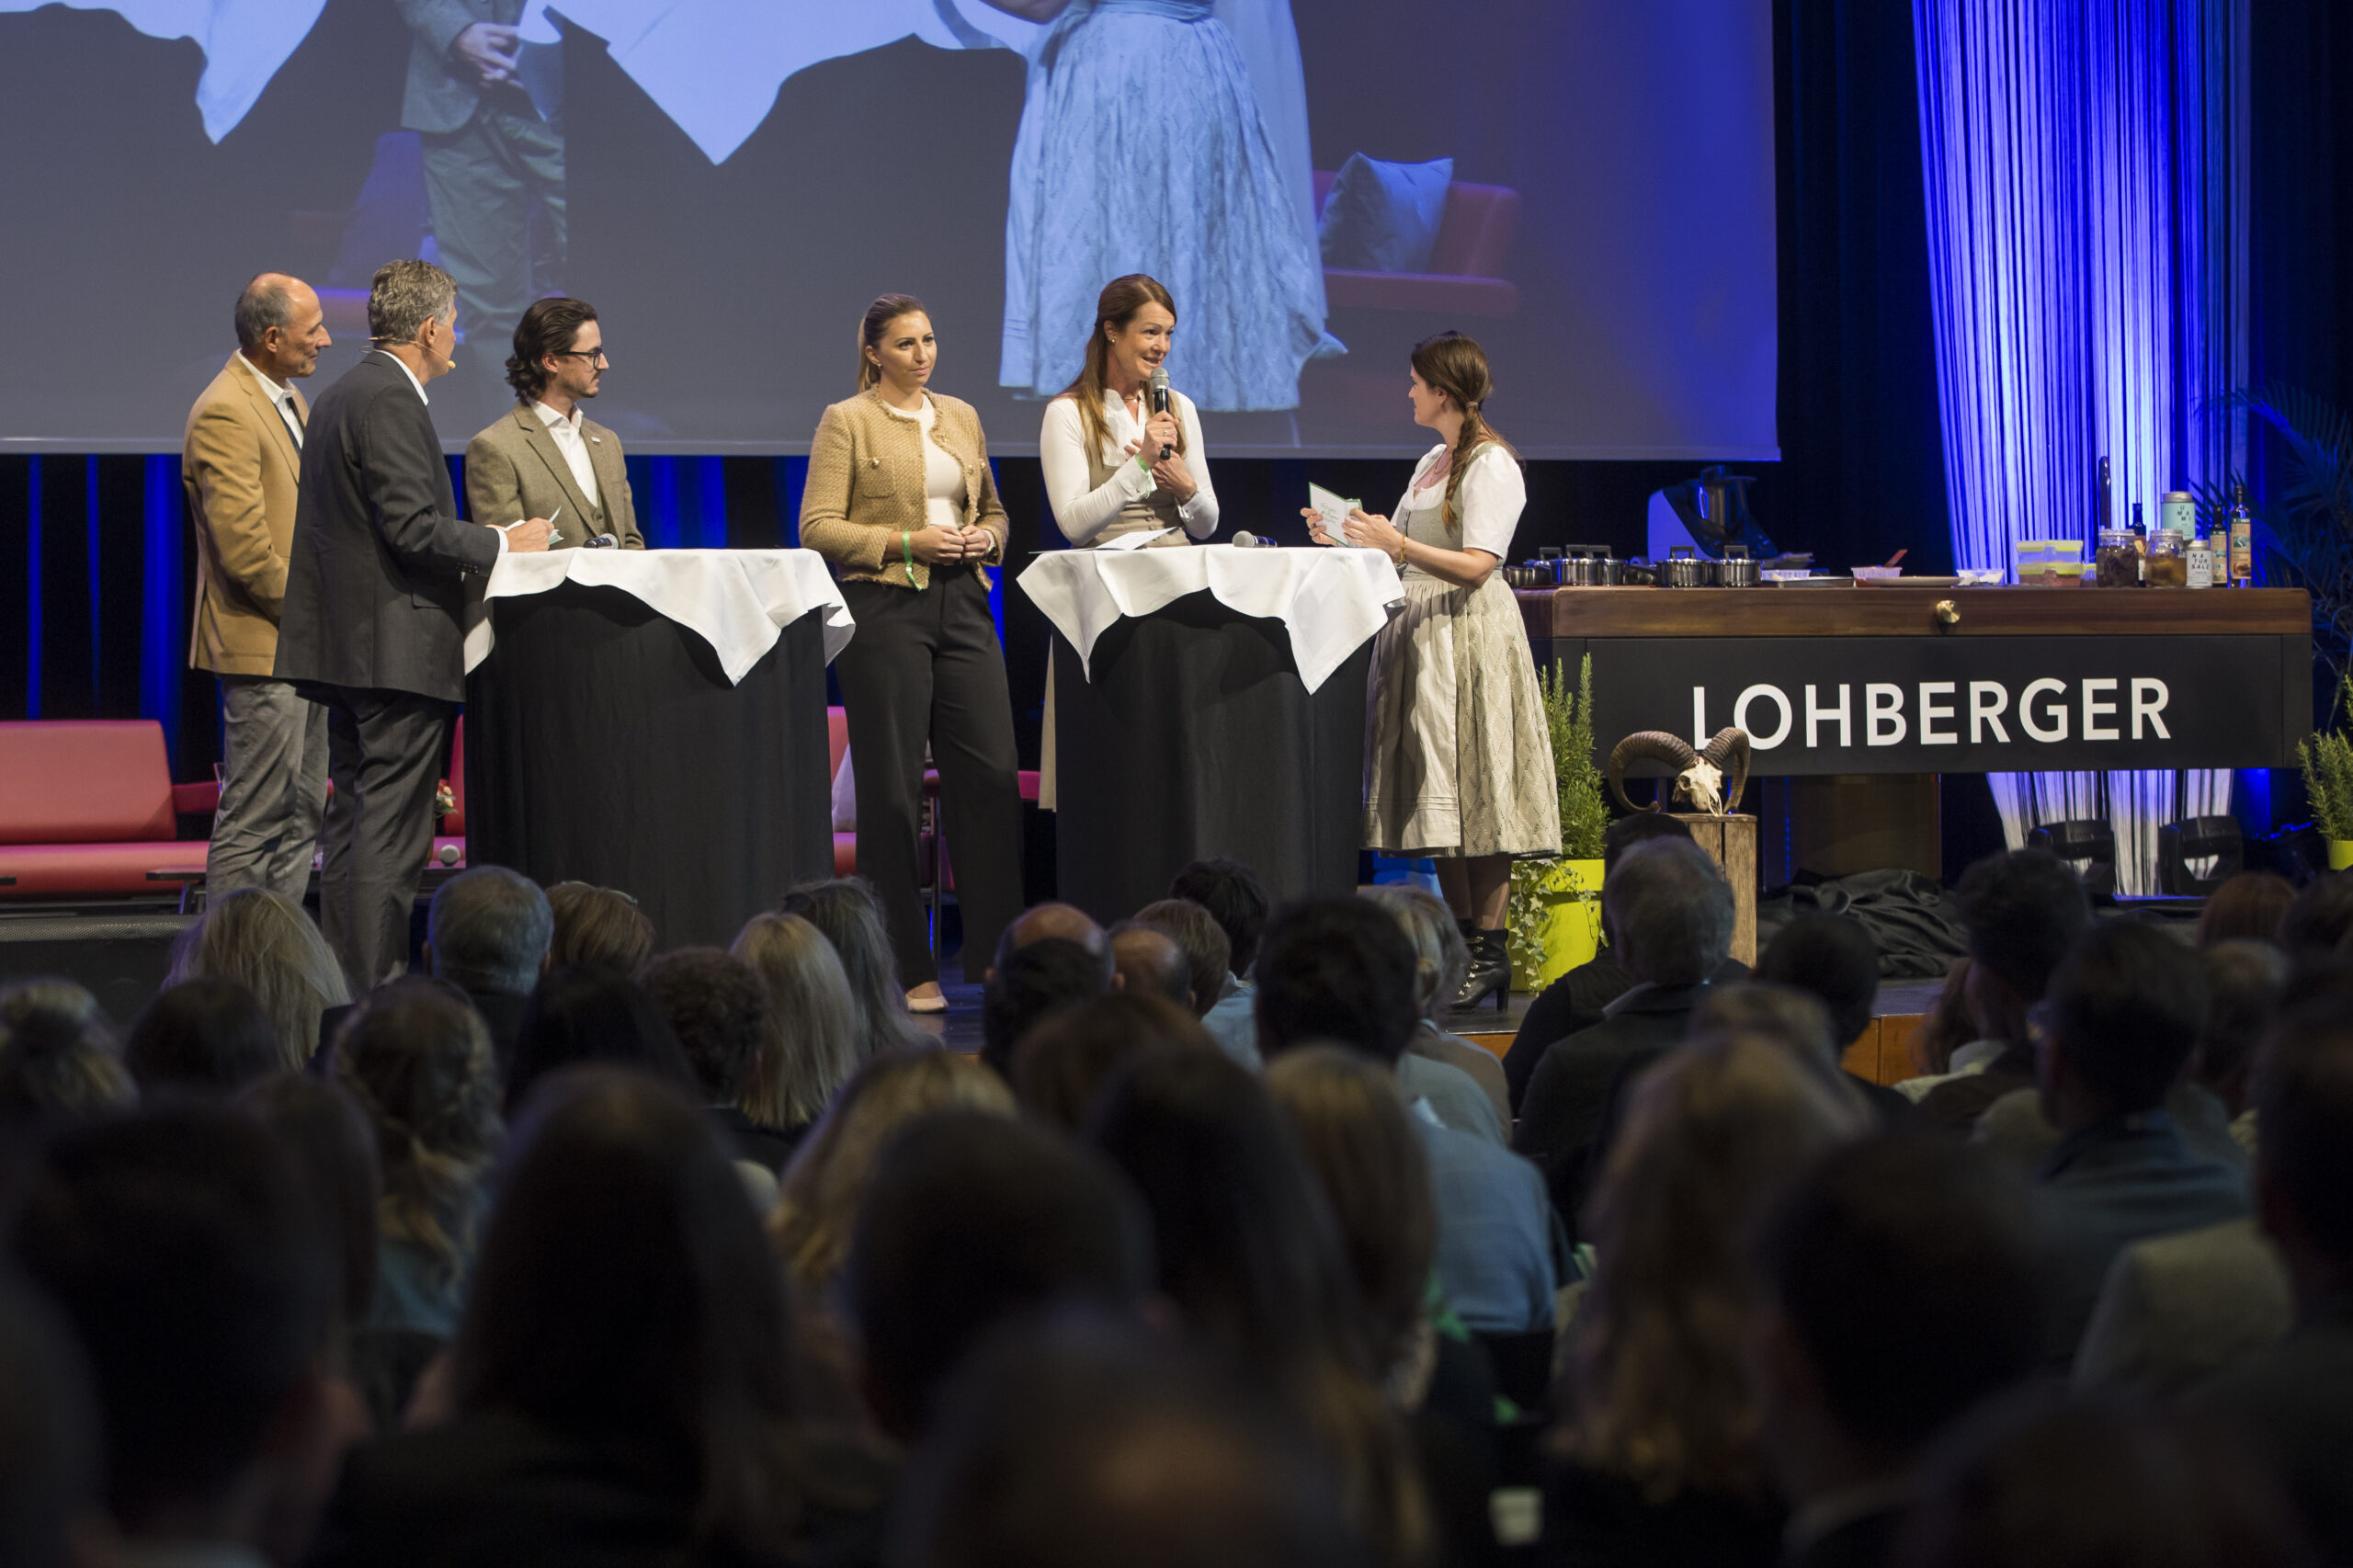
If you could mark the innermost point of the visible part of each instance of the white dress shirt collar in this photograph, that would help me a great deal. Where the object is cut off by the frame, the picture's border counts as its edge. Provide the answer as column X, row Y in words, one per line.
column 550, row 418
column 281, row 398
column 409, row 373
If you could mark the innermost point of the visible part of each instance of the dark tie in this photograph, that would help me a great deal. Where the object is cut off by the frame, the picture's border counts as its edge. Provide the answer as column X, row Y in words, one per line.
column 294, row 419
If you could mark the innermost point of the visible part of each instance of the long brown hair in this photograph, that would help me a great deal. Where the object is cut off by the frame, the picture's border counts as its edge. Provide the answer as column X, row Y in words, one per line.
column 1457, row 366
column 871, row 327
column 1116, row 306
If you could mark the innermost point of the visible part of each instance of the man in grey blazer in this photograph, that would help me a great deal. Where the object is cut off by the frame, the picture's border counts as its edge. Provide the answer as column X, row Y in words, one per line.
column 370, row 626
column 489, row 109
column 544, row 458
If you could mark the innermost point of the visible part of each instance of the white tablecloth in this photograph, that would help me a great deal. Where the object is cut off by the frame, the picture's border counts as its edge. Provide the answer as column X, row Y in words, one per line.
column 737, row 600
column 1332, row 600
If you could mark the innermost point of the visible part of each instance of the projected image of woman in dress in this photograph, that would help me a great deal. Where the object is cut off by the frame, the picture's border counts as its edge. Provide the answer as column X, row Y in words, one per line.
column 1141, row 149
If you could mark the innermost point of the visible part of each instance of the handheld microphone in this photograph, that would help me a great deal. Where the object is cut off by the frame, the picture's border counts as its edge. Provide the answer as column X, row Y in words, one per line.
column 1160, row 400
column 1244, row 539
column 600, row 541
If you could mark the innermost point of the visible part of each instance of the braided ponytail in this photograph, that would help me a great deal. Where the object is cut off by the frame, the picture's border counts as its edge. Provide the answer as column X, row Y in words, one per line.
column 1457, row 366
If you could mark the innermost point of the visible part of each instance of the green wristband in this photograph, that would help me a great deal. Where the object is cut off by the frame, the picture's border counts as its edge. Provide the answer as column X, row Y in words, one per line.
column 907, row 549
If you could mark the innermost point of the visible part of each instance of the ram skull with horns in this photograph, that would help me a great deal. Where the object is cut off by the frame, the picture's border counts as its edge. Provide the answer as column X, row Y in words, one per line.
column 1699, row 776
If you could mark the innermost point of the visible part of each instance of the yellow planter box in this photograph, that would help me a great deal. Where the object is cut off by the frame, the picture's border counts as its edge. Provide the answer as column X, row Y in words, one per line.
column 1556, row 912
column 2340, row 854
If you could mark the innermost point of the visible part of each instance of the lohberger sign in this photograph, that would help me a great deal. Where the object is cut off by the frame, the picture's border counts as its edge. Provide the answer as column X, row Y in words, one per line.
column 1961, row 704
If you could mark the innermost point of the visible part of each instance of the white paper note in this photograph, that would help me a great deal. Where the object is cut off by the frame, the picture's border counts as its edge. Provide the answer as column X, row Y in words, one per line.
column 1134, row 540
column 1334, row 509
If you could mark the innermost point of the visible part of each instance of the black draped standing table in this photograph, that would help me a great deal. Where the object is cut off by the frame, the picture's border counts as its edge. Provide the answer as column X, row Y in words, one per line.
column 1208, row 701
column 654, row 722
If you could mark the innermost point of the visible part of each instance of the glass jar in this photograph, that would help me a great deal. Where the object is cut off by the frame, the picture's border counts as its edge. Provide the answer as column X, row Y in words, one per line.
column 2118, row 561
column 2168, row 560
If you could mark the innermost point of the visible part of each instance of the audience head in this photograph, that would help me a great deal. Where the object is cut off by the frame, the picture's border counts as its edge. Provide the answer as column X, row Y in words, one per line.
column 208, row 1036
column 1714, row 1135
column 599, row 927
column 1792, row 1018
column 1235, row 899
column 847, row 910
column 624, row 1295
column 1076, row 1441
column 263, row 942
column 578, row 1015
column 1336, row 968
column 334, row 1146
column 1208, row 954
column 824, row 1186
column 417, row 1058
column 2244, row 981
column 1834, row 956
column 1149, row 962
column 49, row 1433
column 179, row 1245
column 1441, row 957
column 1906, row 1288
column 2319, row 917
column 1053, row 922
column 488, row 932
column 717, row 1007
column 1063, row 1061
column 57, row 1055
column 1640, row 827
column 2125, row 1009
column 2247, row 907
column 2304, row 1162
column 2022, row 910
column 811, row 1018
column 2093, row 1482
column 1360, row 1141
column 1670, row 912
column 971, row 1219
column 1031, row 982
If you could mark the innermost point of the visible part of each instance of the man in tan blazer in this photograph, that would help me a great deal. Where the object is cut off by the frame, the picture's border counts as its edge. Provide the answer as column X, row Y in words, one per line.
column 241, row 462
column 544, row 458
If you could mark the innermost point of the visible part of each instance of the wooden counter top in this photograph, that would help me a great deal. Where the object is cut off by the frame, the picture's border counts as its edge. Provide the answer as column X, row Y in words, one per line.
column 1855, row 611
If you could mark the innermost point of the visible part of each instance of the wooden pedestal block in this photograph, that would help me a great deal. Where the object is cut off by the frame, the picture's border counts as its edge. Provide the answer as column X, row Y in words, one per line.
column 1730, row 843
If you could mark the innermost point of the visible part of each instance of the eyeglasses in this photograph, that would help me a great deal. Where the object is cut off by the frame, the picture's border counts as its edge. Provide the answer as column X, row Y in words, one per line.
column 594, row 356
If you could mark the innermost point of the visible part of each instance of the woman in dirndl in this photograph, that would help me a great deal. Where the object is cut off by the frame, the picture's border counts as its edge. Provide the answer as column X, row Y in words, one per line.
column 1459, row 763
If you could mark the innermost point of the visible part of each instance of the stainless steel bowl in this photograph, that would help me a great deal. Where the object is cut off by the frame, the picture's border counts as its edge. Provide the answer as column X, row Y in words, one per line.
column 1590, row 566
column 1685, row 568
column 1738, row 569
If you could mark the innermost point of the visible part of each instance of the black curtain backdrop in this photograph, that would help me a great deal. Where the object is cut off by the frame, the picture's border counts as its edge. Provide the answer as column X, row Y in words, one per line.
column 1861, row 472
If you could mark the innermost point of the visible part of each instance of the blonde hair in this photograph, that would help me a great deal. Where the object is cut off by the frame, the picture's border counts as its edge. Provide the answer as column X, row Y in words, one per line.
column 811, row 1020
column 1713, row 1134
column 265, row 943
column 1116, row 306
column 57, row 1052
column 1457, row 366
column 418, row 1058
column 824, row 1186
column 1440, row 957
column 877, row 318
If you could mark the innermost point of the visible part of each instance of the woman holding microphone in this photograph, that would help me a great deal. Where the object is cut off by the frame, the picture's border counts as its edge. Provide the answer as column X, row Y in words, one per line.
column 1459, row 763
column 900, row 499
column 1113, row 465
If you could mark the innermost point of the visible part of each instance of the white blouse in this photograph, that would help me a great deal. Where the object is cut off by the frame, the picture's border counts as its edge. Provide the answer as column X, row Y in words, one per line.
column 1083, row 511
column 943, row 476
column 1494, row 493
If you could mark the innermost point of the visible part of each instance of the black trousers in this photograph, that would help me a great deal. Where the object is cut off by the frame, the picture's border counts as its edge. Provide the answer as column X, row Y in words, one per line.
column 926, row 665
column 384, row 751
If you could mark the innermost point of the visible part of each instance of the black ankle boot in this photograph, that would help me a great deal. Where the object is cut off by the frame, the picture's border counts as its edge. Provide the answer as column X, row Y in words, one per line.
column 1489, row 973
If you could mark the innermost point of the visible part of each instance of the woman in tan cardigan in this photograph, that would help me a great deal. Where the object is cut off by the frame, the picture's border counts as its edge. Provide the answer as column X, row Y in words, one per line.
column 900, row 499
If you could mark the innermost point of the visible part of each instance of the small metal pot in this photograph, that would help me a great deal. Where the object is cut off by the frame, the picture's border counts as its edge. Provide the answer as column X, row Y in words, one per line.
column 1738, row 569
column 1684, row 568
column 1590, row 566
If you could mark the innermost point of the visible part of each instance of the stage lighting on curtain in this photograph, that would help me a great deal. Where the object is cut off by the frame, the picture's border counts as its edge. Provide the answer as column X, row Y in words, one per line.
column 2086, row 167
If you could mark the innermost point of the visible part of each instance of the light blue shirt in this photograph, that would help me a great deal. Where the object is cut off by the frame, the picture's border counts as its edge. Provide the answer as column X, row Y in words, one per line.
column 1233, row 1022
column 1497, row 1242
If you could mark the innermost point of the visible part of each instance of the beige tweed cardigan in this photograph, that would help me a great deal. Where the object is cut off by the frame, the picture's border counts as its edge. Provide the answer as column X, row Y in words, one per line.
column 866, row 486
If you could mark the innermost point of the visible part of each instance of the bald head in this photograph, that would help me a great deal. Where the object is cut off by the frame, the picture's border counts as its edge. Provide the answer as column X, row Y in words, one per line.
column 1062, row 922
column 1150, row 963
column 280, row 327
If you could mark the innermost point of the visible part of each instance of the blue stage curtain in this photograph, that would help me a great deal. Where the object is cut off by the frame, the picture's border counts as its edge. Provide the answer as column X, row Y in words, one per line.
column 2086, row 167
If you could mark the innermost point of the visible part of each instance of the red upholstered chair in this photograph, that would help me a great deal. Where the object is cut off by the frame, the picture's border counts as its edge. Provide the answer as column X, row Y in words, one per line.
column 1466, row 265
column 453, row 833
column 88, row 811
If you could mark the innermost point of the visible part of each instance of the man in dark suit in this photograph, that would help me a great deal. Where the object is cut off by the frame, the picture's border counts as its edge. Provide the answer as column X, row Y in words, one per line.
column 2297, row 1400
column 1903, row 1288
column 2124, row 1012
column 1670, row 914
column 370, row 625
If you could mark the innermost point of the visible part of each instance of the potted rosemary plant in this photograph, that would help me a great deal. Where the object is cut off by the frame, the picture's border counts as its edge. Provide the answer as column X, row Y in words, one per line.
column 1555, row 913
column 2327, row 758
